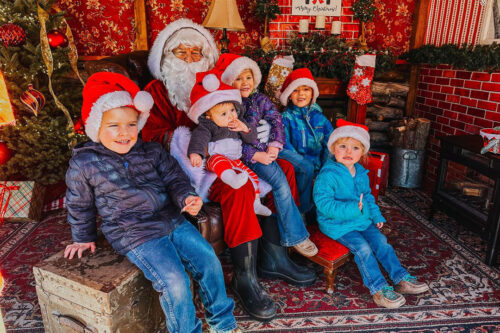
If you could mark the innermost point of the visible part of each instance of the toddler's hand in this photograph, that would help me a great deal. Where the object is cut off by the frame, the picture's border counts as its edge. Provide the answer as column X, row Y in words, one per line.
column 262, row 157
column 273, row 152
column 380, row 225
column 360, row 205
column 195, row 160
column 193, row 205
column 78, row 248
column 238, row 126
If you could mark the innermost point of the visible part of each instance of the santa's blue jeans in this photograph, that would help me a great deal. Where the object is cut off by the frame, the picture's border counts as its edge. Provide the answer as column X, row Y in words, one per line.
column 290, row 223
column 368, row 246
column 164, row 262
column 304, row 175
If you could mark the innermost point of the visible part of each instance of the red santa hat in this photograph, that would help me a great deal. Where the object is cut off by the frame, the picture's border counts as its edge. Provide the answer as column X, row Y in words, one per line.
column 105, row 91
column 209, row 48
column 297, row 78
column 346, row 129
column 209, row 91
column 232, row 65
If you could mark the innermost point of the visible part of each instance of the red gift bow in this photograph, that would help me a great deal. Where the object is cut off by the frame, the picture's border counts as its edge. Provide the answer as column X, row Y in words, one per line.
column 7, row 189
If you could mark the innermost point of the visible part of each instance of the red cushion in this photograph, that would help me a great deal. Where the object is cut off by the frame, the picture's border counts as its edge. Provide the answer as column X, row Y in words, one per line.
column 328, row 248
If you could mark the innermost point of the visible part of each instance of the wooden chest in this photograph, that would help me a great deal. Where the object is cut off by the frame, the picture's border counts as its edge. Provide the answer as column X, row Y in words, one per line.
column 101, row 292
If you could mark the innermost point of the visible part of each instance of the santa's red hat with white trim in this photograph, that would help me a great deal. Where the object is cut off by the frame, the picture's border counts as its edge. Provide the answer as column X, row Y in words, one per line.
column 208, row 91
column 346, row 129
column 297, row 78
column 105, row 91
column 232, row 65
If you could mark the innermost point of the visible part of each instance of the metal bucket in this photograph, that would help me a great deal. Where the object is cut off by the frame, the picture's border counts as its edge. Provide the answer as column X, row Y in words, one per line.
column 406, row 167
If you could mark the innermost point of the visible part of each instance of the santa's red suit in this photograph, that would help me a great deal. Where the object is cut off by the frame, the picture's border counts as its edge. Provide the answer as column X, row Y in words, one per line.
column 236, row 204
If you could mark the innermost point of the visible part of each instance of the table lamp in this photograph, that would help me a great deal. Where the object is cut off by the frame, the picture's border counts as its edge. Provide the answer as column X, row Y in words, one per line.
column 223, row 14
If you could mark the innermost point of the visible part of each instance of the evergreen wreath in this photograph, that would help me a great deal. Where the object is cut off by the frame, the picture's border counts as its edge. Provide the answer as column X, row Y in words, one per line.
column 364, row 10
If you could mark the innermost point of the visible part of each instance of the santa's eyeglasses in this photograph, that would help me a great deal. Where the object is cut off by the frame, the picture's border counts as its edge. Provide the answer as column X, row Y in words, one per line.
column 189, row 54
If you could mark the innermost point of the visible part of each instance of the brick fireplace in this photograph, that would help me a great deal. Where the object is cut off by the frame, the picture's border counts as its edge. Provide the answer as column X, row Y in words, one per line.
column 457, row 102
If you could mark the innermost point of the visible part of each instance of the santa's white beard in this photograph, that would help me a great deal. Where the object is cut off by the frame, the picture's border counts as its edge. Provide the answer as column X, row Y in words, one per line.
column 179, row 77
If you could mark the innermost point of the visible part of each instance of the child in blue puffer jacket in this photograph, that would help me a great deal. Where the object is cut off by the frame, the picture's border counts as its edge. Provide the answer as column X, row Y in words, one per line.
column 139, row 190
column 347, row 212
column 306, row 129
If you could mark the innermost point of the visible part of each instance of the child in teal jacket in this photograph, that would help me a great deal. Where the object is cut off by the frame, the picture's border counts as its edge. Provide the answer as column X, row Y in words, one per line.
column 348, row 213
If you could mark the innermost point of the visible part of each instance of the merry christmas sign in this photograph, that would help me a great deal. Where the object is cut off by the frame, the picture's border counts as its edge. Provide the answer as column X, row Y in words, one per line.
column 316, row 7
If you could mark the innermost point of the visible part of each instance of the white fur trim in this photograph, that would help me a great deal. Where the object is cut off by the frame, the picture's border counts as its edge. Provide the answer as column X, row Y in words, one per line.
column 239, row 65
column 286, row 61
column 205, row 103
column 106, row 102
column 264, row 188
column 367, row 60
column 231, row 148
column 349, row 131
column 297, row 83
column 211, row 83
column 156, row 52
column 143, row 101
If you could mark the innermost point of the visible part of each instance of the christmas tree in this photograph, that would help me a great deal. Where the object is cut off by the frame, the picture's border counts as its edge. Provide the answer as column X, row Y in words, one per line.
column 33, row 45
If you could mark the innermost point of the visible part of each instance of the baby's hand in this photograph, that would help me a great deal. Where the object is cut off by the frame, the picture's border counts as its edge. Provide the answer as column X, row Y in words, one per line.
column 263, row 158
column 193, row 205
column 238, row 126
column 195, row 160
column 273, row 152
column 360, row 205
column 380, row 225
column 78, row 248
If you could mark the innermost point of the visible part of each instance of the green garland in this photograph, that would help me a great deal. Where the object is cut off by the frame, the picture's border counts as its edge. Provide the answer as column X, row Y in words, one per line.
column 468, row 57
column 325, row 56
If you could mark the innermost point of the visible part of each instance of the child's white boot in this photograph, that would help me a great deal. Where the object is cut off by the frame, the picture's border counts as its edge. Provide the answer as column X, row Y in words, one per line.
column 233, row 179
column 260, row 209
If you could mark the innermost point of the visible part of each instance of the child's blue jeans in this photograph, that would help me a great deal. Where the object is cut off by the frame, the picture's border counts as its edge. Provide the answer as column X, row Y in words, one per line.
column 164, row 262
column 368, row 246
column 304, row 175
column 290, row 223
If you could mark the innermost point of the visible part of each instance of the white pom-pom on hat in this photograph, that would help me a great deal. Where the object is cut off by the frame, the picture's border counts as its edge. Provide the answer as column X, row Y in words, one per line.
column 143, row 101
column 211, row 82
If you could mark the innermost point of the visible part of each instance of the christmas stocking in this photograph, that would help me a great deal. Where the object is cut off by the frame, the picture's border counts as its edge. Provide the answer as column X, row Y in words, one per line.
column 280, row 68
column 360, row 84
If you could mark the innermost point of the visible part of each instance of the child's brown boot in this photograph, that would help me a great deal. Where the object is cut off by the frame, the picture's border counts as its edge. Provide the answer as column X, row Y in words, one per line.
column 388, row 298
column 306, row 248
column 410, row 285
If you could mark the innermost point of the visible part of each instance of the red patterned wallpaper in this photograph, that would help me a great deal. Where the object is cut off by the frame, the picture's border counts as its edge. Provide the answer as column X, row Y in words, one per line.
column 107, row 27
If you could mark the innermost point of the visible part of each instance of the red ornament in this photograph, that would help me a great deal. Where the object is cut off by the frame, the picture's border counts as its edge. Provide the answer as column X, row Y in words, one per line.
column 5, row 153
column 57, row 39
column 79, row 127
column 33, row 100
column 12, row 35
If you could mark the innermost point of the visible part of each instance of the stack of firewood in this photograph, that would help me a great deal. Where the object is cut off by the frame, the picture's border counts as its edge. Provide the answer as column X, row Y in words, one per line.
column 410, row 133
column 389, row 101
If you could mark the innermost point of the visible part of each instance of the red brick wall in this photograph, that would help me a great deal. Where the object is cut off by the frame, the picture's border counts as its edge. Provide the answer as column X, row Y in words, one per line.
column 285, row 24
column 458, row 103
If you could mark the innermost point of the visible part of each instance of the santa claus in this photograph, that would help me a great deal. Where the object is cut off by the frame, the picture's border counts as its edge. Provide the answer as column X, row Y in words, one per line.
column 181, row 50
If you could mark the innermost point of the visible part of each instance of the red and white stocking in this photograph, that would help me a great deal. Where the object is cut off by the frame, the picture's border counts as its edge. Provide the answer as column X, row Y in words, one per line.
column 360, row 84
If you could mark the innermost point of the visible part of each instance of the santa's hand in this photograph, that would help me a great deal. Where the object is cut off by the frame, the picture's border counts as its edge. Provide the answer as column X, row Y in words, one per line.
column 263, row 131
column 195, row 160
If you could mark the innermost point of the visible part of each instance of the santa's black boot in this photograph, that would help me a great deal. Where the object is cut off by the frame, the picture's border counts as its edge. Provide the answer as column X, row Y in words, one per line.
column 245, row 285
column 274, row 262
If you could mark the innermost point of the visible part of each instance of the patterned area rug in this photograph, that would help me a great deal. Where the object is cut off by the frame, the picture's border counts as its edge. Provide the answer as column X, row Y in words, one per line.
column 464, row 295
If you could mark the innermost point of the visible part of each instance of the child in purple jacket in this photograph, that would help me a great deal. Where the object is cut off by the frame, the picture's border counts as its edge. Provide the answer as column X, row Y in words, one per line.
column 244, row 74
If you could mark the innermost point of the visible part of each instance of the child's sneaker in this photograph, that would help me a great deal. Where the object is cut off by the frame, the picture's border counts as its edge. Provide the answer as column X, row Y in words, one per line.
column 410, row 285
column 233, row 179
column 260, row 209
column 306, row 248
column 388, row 298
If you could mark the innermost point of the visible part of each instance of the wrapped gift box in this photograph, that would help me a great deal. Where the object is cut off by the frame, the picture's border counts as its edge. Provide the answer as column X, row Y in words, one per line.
column 21, row 201
column 378, row 166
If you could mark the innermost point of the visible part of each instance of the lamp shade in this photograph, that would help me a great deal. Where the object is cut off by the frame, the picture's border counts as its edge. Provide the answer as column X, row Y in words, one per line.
column 223, row 14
